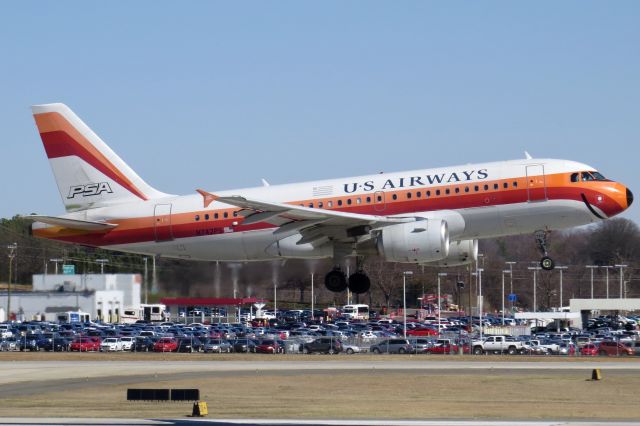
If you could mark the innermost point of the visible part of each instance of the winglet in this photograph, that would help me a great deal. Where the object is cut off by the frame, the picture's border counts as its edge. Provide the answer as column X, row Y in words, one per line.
column 208, row 197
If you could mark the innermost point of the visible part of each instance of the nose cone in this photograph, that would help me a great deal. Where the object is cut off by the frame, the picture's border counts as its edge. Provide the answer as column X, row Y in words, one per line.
column 629, row 198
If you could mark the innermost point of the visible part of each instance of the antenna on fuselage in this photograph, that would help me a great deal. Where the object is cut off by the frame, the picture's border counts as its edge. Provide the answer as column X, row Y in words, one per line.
column 527, row 156
column 265, row 183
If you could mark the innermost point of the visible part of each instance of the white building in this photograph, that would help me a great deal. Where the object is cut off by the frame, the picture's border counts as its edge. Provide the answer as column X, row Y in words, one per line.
column 104, row 297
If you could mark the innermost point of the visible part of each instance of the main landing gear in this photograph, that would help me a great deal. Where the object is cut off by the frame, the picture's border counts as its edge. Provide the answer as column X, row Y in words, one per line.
column 546, row 262
column 358, row 283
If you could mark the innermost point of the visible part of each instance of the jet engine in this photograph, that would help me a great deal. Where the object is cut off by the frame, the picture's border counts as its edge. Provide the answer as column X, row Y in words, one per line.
column 461, row 253
column 422, row 241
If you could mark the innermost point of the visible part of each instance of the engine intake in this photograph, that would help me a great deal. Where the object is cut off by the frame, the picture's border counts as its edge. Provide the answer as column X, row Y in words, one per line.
column 422, row 241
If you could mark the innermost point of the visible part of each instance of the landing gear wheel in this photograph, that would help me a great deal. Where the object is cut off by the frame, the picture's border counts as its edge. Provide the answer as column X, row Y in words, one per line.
column 359, row 283
column 335, row 281
column 547, row 263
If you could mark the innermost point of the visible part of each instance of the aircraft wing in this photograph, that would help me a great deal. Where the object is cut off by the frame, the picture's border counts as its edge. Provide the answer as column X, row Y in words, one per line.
column 289, row 217
column 84, row 225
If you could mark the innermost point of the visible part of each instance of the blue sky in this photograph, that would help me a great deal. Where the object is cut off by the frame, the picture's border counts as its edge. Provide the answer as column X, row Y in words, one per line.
column 219, row 95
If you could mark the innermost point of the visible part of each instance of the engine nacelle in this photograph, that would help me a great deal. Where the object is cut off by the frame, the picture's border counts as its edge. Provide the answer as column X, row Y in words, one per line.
column 461, row 253
column 289, row 248
column 421, row 241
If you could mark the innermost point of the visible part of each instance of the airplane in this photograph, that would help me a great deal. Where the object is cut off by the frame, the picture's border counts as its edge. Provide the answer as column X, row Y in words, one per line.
column 431, row 217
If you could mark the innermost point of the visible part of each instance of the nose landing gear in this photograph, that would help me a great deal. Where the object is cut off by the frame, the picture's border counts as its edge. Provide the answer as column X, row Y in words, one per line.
column 546, row 262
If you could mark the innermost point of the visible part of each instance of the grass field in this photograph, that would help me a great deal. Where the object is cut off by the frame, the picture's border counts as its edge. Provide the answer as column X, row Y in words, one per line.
column 345, row 394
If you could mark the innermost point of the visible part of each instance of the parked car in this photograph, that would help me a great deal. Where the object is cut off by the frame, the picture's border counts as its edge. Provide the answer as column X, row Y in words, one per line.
column 442, row 346
column 392, row 346
column 217, row 345
column 589, row 349
column 111, row 344
column 143, row 344
column 31, row 342
column 166, row 344
column 244, row 345
column 613, row 348
column 85, row 344
column 189, row 344
column 325, row 345
column 567, row 349
column 57, row 344
column 127, row 342
column 270, row 346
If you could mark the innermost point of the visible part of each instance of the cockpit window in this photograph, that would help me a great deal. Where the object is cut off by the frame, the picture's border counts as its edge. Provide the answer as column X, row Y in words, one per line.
column 587, row 177
column 598, row 176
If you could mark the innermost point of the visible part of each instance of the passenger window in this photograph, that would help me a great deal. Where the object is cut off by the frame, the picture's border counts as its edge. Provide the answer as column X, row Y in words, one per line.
column 486, row 187
column 329, row 204
column 226, row 215
column 495, row 186
column 349, row 201
column 379, row 198
column 358, row 200
column 466, row 189
column 457, row 190
column 206, row 216
column 320, row 204
column 428, row 193
column 418, row 194
column 408, row 195
column 235, row 214
column 197, row 217
column 394, row 196
column 505, row 185
column 368, row 200
column 310, row 205
column 215, row 215
column 515, row 183
column 437, row 192
column 339, row 202
column 476, row 188
column 447, row 191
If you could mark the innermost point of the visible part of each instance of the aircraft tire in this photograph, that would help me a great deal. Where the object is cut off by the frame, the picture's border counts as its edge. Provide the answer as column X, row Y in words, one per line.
column 335, row 281
column 359, row 283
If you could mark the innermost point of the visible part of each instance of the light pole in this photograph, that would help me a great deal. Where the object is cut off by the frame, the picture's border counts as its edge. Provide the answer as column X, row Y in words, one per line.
column 510, row 282
column 405, row 274
column 102, row 262
column 607, row 267
column 12, row 254
column 621, row 278
column 56, row 261
column 312, row 302
column 146, row 281
column 481, row 301
column 561, row 268
column 440, row 274
column 504, row 271
column 535, row 270
column 592, row 267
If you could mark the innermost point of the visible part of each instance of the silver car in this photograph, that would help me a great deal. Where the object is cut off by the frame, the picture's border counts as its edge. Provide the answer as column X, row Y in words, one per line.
column 392, row 346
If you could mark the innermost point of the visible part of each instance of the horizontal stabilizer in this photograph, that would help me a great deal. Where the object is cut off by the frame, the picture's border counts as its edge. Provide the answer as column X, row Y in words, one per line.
column 84, row 225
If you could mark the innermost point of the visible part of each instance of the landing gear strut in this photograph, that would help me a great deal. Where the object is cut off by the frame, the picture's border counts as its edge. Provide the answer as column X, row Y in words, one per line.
column 546, row 262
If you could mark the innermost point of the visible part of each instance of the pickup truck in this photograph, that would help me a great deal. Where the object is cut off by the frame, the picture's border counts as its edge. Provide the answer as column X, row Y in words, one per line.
column 497, row 344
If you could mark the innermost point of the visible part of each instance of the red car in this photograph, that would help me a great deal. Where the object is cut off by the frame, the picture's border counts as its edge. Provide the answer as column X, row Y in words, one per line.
column 589, row 350
column 270, row 346
column 166, row 344
column 85, row 344
column 422, row 331
column 611, row 348
column 442, row 347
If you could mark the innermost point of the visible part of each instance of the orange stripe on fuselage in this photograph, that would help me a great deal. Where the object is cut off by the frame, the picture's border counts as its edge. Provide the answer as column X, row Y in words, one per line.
column 184, row 225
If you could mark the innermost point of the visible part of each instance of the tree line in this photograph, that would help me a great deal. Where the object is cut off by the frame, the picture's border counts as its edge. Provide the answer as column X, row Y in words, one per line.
column 608, row 243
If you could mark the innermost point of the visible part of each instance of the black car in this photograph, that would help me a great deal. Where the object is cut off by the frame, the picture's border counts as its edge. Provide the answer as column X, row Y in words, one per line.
column 189, row 344
column 143, row 344
column 244, row 345
column 325, row 345
column 31, row 342
column 56, row 344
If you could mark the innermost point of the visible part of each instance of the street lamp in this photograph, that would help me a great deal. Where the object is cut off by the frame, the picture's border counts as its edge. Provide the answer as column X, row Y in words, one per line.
column 405, row 274
column 440, row 274
column 146, row 281
column 561, row 268
column 102, row 262
column 535, row 270
column 481, row 304
column 504, row 271
column 621, row 277
column 592, row 267
column 312, row 301
column 607, row 267
column 12, row 254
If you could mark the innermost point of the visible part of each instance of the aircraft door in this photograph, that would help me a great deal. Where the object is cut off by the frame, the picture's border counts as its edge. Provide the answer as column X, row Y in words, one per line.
column 162, row 222
column 536, row 186
column 379, row 202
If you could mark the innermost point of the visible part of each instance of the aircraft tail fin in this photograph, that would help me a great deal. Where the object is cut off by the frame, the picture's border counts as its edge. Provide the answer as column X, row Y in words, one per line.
column 88, row 173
